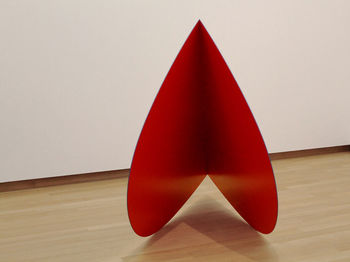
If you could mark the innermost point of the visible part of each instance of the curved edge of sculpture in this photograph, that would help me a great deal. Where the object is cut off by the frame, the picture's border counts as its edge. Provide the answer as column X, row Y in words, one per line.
column 198, row 125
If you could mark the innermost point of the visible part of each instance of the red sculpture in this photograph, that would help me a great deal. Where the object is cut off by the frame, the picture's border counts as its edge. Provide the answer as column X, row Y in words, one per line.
column 200, row 124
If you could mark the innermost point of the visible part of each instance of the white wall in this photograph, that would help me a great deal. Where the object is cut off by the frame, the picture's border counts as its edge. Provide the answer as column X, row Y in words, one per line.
column 77, row 78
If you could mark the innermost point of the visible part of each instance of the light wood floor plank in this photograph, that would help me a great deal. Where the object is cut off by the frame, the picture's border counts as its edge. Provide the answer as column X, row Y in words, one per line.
column 88, row 221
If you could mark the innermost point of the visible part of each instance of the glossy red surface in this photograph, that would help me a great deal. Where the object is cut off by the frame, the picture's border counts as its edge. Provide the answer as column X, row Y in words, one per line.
column 200, row 124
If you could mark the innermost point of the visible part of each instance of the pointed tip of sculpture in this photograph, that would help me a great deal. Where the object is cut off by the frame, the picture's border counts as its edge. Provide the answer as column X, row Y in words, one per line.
column 199, row 23
column 199, row 27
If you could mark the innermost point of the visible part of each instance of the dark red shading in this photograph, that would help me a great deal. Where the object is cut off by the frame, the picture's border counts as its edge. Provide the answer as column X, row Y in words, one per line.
column 200, row 124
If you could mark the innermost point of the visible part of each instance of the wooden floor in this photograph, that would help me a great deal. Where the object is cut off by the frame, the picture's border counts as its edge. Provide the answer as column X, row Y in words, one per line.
column 89, row 222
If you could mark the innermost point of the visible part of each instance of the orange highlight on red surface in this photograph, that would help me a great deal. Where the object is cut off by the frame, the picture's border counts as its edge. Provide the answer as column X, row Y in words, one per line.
column 200, row 124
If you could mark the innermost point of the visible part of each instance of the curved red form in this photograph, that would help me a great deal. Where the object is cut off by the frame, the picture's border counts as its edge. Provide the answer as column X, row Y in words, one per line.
column 200, row 124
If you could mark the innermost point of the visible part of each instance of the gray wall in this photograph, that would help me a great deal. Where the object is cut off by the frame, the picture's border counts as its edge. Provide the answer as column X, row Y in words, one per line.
column 77, row 78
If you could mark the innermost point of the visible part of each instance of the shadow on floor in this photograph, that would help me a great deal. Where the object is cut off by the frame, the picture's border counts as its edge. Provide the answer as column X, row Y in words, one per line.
column 206, row 232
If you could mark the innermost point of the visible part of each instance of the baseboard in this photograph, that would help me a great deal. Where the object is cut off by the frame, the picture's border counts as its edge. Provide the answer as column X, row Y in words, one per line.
column 63, row 180
column 309, row 152
column 97, row 176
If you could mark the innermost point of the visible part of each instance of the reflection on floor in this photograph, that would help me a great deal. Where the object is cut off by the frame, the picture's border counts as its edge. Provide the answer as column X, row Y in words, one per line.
column 206, row 232
column 88, row 221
